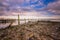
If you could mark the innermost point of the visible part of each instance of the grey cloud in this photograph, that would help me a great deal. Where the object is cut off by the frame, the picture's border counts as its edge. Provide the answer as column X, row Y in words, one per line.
column 54, row 7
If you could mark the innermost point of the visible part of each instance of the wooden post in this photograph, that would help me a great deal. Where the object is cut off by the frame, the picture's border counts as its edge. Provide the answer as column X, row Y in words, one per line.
column 18, row 20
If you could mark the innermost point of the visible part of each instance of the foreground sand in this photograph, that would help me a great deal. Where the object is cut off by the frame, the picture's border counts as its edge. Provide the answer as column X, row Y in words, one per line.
column 40, row 30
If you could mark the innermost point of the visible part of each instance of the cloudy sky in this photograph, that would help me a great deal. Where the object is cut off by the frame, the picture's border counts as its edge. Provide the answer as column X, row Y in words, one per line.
column 30, row 7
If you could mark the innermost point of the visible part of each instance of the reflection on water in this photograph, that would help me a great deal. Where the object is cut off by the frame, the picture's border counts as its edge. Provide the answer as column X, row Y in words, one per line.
column 4, row 25
column 21, row 22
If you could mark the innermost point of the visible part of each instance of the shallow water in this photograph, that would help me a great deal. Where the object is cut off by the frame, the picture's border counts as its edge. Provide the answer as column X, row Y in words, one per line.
column 3, row 25
column 22, row 22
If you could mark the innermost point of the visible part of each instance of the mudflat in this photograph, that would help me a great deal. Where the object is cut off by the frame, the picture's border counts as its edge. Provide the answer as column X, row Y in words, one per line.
column 40, row 30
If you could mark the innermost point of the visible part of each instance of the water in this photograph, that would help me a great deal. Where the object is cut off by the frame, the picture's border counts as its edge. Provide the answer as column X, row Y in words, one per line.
column 21, row 22
column 4, row 25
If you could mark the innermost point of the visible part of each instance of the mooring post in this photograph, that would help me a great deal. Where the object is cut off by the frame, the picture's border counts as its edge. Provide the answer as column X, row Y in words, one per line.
column 18, row 19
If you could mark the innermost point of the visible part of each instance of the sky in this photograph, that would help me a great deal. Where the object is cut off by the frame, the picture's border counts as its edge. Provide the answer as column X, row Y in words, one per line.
column 30, row 7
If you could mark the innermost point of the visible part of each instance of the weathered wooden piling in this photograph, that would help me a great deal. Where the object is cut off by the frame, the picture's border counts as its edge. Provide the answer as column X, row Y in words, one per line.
column 18, row 19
